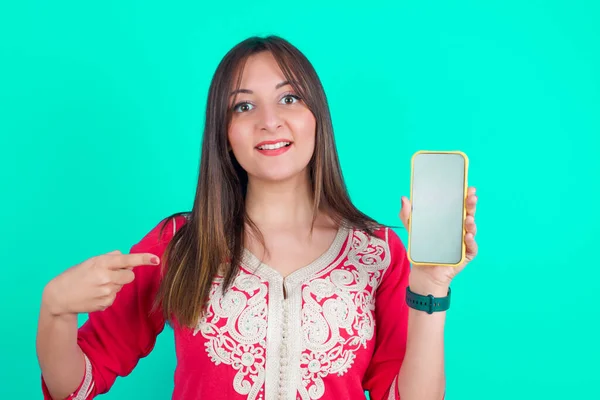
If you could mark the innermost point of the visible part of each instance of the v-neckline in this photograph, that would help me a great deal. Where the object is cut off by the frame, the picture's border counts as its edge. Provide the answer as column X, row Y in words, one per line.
column 326, row 258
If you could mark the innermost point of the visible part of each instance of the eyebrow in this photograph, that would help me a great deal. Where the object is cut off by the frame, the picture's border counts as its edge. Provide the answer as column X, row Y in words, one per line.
column 248, row 91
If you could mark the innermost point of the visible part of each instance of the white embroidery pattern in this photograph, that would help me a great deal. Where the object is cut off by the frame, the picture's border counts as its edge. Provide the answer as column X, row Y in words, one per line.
column 330, row 311
column 241, row 340
column 337, row 317
column 88, row 383
column 393, row 389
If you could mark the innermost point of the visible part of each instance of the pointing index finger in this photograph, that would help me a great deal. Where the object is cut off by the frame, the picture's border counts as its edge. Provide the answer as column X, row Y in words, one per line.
column 122, row 261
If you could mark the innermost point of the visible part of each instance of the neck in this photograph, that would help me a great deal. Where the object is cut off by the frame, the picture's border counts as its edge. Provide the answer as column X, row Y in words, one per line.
column 283, row 204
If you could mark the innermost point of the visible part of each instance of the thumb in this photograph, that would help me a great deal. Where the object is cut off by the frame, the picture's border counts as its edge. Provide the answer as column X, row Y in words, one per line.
column 405, row 211
column 114, row 252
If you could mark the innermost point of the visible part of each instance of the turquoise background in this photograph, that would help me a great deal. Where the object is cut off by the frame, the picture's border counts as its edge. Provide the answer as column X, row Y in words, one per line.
column 101, row 112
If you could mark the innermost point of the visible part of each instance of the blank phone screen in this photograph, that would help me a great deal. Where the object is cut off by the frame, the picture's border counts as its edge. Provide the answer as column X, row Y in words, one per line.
column 438, row 195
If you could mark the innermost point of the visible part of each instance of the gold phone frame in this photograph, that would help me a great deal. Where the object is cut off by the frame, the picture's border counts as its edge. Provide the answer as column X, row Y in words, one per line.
column 466, row 184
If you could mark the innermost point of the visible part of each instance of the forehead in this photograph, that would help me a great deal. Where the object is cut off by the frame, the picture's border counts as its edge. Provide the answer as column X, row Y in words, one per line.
column 261, row 69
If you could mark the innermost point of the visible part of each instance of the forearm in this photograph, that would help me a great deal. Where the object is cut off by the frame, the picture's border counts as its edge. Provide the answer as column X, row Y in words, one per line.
column 61, row 360
column 422, row 375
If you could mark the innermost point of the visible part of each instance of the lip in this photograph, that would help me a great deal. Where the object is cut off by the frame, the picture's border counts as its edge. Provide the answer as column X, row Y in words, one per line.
column 274, row 142
column 275, row 152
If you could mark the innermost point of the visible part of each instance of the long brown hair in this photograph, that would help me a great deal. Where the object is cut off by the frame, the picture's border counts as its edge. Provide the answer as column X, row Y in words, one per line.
column 213, row 236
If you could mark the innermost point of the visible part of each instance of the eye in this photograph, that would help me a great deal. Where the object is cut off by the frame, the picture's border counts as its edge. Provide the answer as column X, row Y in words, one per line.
column 290, row 99
column 243, row 107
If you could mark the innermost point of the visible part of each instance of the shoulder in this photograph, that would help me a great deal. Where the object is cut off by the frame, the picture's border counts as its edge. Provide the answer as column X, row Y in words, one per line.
column 397, row 263
column 383, row 251
column 389, row 238
column 394, row 241
column 157, row 238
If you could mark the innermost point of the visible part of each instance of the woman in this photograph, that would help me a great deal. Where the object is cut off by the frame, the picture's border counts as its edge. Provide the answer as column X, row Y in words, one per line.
column 276, row 286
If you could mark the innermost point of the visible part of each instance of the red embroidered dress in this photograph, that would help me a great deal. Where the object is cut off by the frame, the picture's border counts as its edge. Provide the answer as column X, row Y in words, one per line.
column 340, row 329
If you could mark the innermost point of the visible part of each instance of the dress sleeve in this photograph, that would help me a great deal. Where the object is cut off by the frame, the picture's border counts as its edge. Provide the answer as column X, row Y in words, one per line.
column 391, row 324
column 114, row 340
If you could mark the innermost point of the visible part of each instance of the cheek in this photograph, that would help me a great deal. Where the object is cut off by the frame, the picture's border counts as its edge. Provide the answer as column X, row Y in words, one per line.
column 239, row 137
column 304, row 128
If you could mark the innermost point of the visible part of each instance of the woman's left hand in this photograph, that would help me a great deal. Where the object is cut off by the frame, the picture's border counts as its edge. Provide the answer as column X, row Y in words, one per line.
column 440, row 275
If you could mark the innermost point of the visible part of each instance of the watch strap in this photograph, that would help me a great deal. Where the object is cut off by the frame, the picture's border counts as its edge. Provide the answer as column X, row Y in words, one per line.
column 429, row 303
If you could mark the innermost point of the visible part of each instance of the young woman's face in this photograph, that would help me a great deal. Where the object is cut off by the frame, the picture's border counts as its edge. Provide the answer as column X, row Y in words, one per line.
column 272, row 132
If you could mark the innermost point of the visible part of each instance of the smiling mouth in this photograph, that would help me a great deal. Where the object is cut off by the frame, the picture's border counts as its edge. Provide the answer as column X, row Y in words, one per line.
column 273, row 146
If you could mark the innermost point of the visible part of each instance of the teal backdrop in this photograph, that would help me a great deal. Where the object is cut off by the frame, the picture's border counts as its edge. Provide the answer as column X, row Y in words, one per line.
column 101, row 115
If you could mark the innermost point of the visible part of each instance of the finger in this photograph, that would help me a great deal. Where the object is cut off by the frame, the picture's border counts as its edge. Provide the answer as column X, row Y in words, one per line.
column 114, row 252
column 109, row 289
column 471, row 204
column 470, row 225
column 471, row 246
column 107, row 301
column 122, row 277
column 405, row 211
column 471, row 191
column 123, row 261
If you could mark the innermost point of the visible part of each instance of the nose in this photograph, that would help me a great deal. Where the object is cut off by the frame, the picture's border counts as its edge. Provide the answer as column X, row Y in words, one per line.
column 270, row 120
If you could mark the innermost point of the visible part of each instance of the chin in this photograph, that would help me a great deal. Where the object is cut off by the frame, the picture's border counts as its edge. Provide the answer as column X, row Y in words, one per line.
column 280, row 175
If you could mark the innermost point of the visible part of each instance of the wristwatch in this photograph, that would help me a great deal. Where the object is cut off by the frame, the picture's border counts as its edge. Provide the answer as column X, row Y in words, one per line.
column 428, row 303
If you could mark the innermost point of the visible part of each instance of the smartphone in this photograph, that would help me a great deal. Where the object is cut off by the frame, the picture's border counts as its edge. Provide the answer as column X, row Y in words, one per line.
column 438, row 195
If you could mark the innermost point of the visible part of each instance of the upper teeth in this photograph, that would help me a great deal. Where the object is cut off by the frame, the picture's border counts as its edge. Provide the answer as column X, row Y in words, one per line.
column 273, row 146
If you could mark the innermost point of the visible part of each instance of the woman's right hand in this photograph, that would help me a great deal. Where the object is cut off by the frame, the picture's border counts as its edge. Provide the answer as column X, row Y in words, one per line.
column 93, row 285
